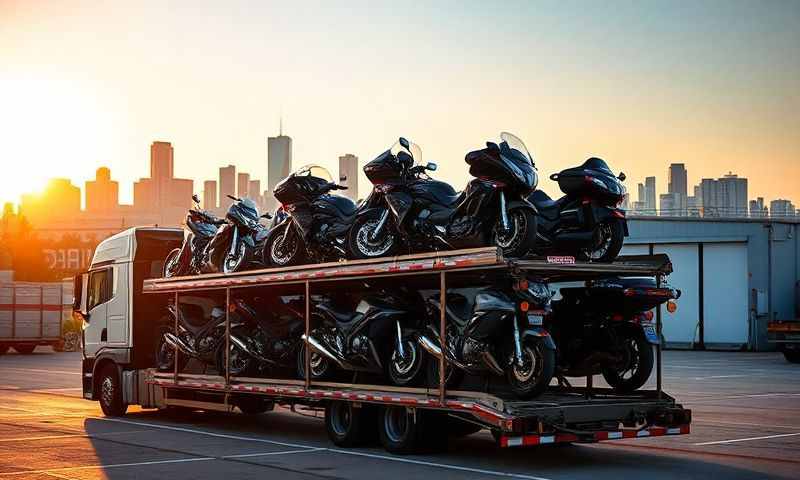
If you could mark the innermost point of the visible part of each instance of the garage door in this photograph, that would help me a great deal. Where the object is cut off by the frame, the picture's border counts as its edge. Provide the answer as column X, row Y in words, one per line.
column 681, row 328
column 725, row 293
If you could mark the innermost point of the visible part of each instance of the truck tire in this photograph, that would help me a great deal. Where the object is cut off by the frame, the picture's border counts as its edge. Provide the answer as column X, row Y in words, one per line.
column 253, row 405
column 401, row 431
column 792, row 356
column 24, row 348
column 348, row 426
column 109, row 392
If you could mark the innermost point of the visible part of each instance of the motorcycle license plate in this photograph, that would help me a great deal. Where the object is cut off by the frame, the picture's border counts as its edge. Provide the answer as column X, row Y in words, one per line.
column 650, row 334
column 535, row 319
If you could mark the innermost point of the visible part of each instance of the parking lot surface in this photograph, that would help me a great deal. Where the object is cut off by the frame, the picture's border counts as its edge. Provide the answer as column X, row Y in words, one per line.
column 746, row 409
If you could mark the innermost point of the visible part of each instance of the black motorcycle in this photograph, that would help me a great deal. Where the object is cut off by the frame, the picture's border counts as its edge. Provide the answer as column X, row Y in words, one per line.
column 378, row 337
column 587, row 220
column 316, row 227
column 407, row 207
column 265, row 334
column 200, row 334
column 240, row 240
column 606, row 328
column 498, row 330
column 188, row 259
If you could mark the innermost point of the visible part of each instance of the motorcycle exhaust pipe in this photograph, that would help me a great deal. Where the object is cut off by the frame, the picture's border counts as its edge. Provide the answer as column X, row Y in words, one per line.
column 319, row 348
column 241, row 345
column 176, row 342
column 430, row 346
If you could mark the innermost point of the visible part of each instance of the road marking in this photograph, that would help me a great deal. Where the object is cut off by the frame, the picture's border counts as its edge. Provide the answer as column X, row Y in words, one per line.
column 287, row 452
column 737, row 440
column 70, row 435
column 724, row 376
column 60, row 372
column 343, row 452
column 753, row 395
column 48, row 390
column 715, row 422
column 113, row 465
column 440, row 465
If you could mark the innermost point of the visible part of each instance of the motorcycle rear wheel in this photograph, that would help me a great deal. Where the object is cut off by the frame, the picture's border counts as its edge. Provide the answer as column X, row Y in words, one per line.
column 607, row 243
column 636, row 367
column 521, row 238
column 359, row 241
column 321, row 367
column 277, row 254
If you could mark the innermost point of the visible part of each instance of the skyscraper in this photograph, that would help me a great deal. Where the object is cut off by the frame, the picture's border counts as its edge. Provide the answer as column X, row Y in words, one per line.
column 210, row 195
column 734, row 195
column 102, row 194
column 348, row 175
column 650, row 195
column 781, row 208
column 60, row 200
column 757, row 207
column 677, row 184
column 279, row 163
column 163, row 194
column 243, row 185
column 227, row 186
column 254, row 192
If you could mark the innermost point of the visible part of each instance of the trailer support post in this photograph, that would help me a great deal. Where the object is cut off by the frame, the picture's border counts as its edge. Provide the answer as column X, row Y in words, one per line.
column 227, row 341
column 307, row 355
column 658, row 345
column 442, row 336
column 177, row 352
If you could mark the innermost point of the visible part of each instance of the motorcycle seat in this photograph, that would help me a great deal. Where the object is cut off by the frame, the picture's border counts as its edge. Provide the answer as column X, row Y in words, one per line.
column 546, row 205
column 339, row 315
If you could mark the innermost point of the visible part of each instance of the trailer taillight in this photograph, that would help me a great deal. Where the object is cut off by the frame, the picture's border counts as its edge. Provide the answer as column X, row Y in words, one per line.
column 672, row 307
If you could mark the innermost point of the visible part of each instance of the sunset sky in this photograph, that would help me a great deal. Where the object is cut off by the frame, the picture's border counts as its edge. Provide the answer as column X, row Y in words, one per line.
column 715, row 85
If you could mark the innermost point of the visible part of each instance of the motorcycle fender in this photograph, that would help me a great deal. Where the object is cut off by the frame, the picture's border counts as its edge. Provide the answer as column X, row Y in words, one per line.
column 522, row 203
column 542, row 334
column 399, row 203
column 603, row 213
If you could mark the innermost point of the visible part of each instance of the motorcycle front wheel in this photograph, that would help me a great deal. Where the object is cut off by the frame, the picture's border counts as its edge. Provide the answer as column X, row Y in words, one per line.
column 283, row 252
column 531, row 379
column 520, row 237
column 321, row 367
column 606, row 243
column 172, row 264
column 404, row 370
column 233, row 261
column 166, row 353
column 361, row 241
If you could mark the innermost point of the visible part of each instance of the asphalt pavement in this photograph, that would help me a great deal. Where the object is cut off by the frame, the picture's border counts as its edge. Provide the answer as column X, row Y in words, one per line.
column 746, row 424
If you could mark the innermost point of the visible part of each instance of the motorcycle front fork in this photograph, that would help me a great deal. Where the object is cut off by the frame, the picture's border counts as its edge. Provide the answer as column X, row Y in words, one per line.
column 517, row 345
column 234, row 241
column 379, row 228
column 503, row 213
column 400, row 347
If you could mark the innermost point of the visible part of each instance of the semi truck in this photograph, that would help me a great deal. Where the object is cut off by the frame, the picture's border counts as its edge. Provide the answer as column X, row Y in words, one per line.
column 122, row 299
column 31, row 316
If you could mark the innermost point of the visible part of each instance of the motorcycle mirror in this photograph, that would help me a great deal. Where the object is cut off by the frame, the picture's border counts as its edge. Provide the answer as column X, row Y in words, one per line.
column 232, row 197
column 492, row 146
column 196, row 198
column 431, row 166
column 404, row 143
column 622, row 176
column 266, row 215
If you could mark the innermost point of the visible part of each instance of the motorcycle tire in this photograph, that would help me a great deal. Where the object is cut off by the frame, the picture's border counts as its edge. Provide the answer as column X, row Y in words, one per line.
column 639, row 360
column 241, row 363
column 321, row 367
column 359, row 245
column 452, row 378
column 296, row 254
column 165, row 354
column 237, row 261
column 405, row 372
column 532, row 379
column 609, row 239
column 172, row 266
column 522, row 239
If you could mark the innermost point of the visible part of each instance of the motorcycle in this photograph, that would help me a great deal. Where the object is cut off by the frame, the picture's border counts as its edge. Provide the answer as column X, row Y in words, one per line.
column 198, row 336
column 587, row 220
column 317, row 223
column 264, row 338
column 378, row 337
column 188, row 259
column 239, row 241
column 606, row 328
column 499, row 330
column 406, row 206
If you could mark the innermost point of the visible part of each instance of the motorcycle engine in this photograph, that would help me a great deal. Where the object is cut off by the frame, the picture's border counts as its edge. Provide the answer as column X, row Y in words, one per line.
column 360, row 345
column 472, row 350
column 205, row 344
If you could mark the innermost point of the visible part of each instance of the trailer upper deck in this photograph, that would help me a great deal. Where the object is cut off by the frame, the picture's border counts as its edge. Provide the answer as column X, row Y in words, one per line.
column 553, row 269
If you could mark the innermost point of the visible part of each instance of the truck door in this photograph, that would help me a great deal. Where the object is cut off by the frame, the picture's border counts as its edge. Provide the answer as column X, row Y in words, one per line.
column 117, row 306
column 98, row 292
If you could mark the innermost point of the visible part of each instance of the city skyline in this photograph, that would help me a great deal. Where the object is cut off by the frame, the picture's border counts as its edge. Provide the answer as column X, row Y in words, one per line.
column 571, row 80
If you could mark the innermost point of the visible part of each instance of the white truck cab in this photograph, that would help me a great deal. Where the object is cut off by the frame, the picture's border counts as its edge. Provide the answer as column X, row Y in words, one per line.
column 116, row 340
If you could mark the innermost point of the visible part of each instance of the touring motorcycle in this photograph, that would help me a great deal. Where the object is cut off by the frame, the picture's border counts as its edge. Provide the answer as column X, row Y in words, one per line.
column 240, row 240
column 188, row 259
column 407, row 207
column 378, row 337
column 200, row 334
column 317, row 222
column 497, row 330
column 587, row 220
column 606, row 328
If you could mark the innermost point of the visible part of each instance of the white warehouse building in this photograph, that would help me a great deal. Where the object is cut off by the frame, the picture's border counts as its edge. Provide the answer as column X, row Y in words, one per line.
column 732, row 274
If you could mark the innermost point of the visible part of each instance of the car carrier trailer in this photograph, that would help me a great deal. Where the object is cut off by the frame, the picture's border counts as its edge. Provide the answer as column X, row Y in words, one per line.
column 124, row 375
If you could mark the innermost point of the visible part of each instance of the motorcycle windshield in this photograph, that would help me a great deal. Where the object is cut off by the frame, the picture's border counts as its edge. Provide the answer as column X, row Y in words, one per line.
column 413, row 150
column 515, row 143
column 313, row 171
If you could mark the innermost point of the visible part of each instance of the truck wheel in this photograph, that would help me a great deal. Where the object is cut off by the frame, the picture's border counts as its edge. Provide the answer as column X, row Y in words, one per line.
column 792, row 356
column 110, row 392
column 348, row 426
column 253, row 405
column 25, row 349
column 400, row 430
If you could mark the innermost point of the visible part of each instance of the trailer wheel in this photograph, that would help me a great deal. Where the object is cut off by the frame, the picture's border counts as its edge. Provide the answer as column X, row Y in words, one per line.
column 348, row 426
column 25, row 349
column 252, row 405
column 110, row 392
column 401, row 430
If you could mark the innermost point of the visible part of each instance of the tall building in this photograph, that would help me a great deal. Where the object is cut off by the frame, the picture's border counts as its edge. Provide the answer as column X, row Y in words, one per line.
column 734, row 195
column 102, row 193
column 710, row 197
column 348, row 175
column 781, row 208
column 60, row 200
column 677, row 184
column 243, row 185
column 210, row 195
column 757, row 208
column 162, row 194
column 254, row 192
column 227, row 186
column 669, row 204
column 279, row 164
column 650, row 195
